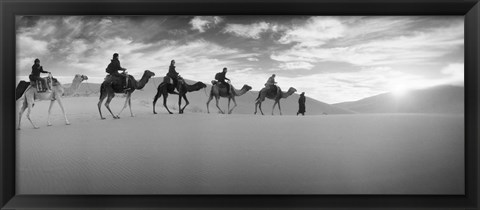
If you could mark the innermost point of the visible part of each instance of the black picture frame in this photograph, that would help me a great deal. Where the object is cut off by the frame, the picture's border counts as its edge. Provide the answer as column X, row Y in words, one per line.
column 10, row 8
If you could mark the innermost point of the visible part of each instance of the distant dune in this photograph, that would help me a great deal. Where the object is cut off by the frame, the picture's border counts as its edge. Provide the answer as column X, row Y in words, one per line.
column 440, row 99
column 246, row 103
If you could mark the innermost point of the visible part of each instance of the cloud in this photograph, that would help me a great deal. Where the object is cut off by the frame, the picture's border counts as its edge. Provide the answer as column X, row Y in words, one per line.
column 35, row 47
column 202, row 23
column 251, row 31
column 244, row 55
column 296, row 65
column 364, row 29
column 248, row 69
column 195, row 58
column 28, row 49
column 178, row 32
column 85, row 45
column 364, row 56
column 316, row 31
column 417, row 47
column 455, row 73
column 59, row 31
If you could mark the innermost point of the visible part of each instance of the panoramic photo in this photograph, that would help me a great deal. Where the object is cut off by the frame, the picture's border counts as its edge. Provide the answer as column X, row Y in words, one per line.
column 240, row 105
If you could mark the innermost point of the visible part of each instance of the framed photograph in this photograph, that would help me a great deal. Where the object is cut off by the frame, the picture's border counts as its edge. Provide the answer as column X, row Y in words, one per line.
column 239, row 104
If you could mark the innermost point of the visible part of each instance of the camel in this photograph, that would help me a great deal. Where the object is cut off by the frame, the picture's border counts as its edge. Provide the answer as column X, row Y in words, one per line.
column 108, row 89
column 274, row 95
column 183, row 88
column 218, row 92
column 31, row 95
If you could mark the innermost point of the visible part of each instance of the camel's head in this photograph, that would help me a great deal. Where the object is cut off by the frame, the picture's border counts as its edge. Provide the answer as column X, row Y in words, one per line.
column 149, row 73
column 80, row 78
column 247, row 87
column 201, row 84
column 292, row 90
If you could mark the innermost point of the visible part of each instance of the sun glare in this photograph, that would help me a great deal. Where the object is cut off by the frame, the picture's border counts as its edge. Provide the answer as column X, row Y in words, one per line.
column 400, row 91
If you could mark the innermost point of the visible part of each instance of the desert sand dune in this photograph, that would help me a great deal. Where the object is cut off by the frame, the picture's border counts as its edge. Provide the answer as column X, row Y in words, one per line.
column 237, row 154
column 440, row 99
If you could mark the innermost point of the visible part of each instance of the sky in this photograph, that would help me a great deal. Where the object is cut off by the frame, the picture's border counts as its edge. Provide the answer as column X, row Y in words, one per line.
column 331, row 58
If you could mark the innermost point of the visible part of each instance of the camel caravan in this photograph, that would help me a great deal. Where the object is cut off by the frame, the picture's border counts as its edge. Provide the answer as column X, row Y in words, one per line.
column 49, row 88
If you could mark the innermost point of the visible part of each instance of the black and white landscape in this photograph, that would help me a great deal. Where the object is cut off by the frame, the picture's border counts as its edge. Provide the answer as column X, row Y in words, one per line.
column 385, row 106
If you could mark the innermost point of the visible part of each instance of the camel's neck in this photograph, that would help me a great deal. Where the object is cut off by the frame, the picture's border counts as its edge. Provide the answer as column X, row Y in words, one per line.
column 241, row 91
column 194, row 87
column 141, row 83
column 73, row 87
column 286, row 94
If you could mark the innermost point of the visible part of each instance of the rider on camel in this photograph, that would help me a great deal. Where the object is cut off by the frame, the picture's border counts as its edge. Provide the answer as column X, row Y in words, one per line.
column 271, row 82
column 35, row 75
column 221, row 77
column 114, row 67
column 172, row 73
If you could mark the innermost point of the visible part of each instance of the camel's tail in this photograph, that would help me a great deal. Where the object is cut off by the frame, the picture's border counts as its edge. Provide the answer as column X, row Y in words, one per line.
column 21, row 88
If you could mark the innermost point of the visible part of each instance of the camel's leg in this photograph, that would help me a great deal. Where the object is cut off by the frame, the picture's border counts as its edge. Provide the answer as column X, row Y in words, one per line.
column 124, row 105
column 155, row 98
column 165, row 95
column 216, row 98
column 180, row 103
column 234, row 105
column 279, row 108
column 186, row 103
column 107, row 104
column 30, row 102
column 49, row 111
column 102, row 97
column 60, row 103
column 20, row 113
column 130, row 106
column 208, row 102
column 274, row 104
column 258, row 103
column 260, row 107
column 228, row 105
